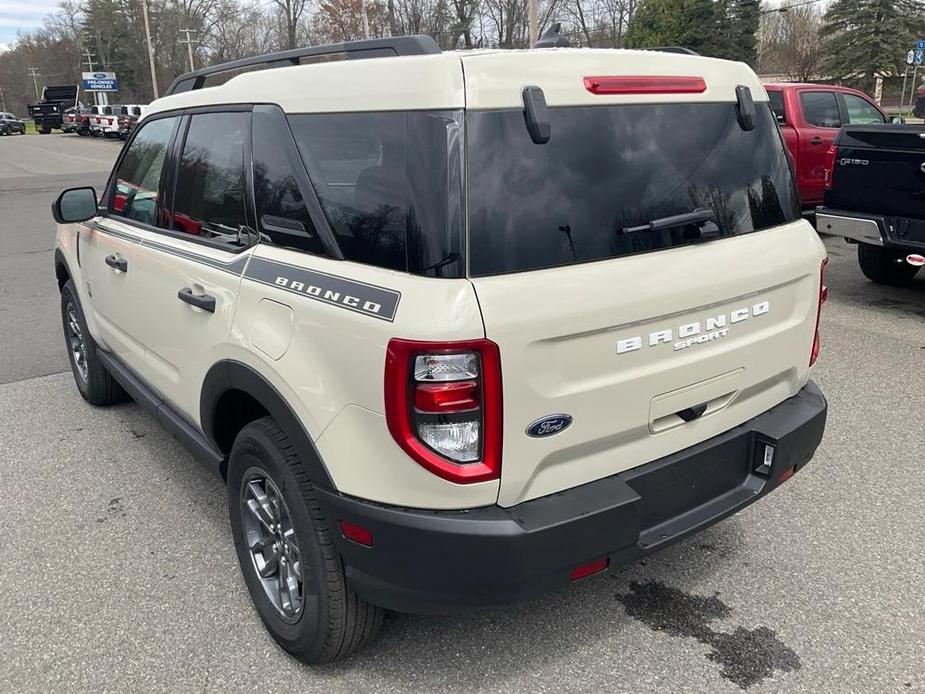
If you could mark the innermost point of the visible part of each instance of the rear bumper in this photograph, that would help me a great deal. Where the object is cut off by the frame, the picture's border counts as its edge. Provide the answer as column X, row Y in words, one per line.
column 440, row 561
column 901, row 233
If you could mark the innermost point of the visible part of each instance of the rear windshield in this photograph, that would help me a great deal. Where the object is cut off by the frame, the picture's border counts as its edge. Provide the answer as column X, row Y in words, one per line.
column 606, row 169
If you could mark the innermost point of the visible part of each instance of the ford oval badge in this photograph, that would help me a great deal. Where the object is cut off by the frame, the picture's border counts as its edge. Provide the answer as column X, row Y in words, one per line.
column 549, row 425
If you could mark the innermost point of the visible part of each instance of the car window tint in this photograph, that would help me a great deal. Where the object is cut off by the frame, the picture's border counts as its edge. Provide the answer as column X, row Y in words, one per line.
column 209, row 192
column 135, row 194
column 608, row 171
column 820, row 109
column 390, row 185
column 776, row 100
column 282, row 216
column 860, row 111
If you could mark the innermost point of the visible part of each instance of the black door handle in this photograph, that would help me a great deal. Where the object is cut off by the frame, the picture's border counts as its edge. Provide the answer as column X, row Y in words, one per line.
column 117, row 263
column 204, row 301
column 815, row 140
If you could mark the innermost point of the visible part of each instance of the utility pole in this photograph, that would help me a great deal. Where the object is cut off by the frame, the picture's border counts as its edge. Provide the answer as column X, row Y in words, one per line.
column 365, row 19
column 144, row 12
column 533, row 21
column 34, row 74
column 2, row 101
column 90, row 62
column 189, row 45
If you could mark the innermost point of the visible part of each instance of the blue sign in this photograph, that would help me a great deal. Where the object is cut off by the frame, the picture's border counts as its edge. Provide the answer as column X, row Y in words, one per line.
column 99, row 82
column 919, row 56
column 920, row 45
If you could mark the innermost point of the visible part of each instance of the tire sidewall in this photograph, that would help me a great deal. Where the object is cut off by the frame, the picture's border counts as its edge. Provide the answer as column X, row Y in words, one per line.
column 254, row 449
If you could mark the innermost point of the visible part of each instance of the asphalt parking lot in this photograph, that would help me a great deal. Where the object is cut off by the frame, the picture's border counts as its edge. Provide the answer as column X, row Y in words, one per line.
column 118, row 573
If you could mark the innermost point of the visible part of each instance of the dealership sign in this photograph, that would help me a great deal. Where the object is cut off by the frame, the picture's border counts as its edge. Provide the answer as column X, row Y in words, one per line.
column 99, row 82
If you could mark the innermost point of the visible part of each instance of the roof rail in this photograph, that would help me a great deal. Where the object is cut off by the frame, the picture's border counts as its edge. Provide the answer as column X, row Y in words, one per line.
column 673, row 49
column 367, row 48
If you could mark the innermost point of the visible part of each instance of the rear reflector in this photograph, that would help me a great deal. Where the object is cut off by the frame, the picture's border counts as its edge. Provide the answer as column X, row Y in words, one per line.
column 645, row 84
column 356, row 533
column 592, row 567
column 786, row 474
column 823, row 295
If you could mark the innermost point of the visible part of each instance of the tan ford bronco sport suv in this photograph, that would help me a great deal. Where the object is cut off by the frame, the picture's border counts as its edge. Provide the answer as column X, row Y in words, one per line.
column 453, row 328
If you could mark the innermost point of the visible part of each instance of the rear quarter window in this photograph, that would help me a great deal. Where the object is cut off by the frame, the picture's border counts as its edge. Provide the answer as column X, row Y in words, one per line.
column 390, row 185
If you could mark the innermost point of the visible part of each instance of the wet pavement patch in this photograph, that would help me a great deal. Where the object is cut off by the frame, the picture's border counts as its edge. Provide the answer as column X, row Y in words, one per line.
column 747, row 656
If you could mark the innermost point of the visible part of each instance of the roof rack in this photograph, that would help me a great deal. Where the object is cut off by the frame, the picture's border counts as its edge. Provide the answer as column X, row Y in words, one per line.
column 367, row 48
column 673, row 49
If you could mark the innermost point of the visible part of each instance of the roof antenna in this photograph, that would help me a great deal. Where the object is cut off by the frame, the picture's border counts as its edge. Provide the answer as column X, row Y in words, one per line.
column 552, row 38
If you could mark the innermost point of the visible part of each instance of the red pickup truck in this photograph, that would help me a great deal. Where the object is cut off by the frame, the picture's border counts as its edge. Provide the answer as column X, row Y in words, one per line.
column 809, row 116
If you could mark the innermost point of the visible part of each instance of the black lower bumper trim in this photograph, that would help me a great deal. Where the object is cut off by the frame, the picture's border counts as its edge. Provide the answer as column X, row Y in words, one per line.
column 440, row 561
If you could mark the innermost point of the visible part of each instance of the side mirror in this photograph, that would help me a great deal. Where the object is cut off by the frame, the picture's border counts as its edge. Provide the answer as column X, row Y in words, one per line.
column 75, row 205
column 897, row 120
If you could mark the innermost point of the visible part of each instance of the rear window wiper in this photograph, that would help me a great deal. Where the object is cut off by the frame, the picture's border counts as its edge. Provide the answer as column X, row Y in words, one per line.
column 704, row 220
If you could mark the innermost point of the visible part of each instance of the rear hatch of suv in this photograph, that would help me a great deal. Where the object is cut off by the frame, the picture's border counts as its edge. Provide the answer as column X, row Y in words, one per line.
column 651, row 333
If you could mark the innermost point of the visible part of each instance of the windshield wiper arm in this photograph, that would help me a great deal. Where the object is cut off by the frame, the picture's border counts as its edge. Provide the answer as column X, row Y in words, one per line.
column 705, row 220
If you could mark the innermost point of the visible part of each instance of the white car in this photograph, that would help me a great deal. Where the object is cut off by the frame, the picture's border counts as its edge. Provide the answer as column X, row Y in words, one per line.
column 453, row 329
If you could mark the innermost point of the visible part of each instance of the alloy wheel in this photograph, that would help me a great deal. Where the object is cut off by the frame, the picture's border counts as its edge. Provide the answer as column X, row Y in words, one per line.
column 272, row 543
column 76, row 342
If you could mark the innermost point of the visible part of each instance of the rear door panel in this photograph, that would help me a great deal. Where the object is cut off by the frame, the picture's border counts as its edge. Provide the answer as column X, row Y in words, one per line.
column 559, row 331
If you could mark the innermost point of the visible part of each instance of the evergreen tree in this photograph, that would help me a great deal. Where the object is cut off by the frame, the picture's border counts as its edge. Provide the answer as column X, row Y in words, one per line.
column 865, row 38
column 688, row 23
column 737, row 24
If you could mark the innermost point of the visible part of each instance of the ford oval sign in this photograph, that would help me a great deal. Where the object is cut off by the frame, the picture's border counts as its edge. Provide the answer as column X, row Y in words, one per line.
column 549, row 425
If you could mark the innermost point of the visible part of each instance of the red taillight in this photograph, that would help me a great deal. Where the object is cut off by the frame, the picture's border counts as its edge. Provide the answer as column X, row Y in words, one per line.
column 592, row 567
column 356, row 533
column 830, row 166
column 446, row 397
column 823, row 295
column 645, row 84
column 443, row 406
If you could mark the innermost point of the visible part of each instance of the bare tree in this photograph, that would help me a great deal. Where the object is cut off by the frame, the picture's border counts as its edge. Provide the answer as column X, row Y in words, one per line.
column 291, row 12
column 790, row 43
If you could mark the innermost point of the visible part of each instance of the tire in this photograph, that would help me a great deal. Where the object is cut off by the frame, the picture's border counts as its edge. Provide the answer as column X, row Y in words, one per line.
column 331, row 621
column 45, row 130
column 884, row 265
column 94, row 382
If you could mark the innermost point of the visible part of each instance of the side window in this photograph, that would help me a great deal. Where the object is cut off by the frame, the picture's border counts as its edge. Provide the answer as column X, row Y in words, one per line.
column 820, row 109
column 282, row 216
column 357, row 165
column 209, row 192
column 860, row 111
column 135, row 194
column 777, row 106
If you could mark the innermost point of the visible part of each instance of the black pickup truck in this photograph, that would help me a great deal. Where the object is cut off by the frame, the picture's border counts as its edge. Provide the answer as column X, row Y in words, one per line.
column 875, row 197
column 49, row 112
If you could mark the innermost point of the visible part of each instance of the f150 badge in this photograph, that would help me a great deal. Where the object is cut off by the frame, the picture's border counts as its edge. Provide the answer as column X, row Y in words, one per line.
column 696, row 333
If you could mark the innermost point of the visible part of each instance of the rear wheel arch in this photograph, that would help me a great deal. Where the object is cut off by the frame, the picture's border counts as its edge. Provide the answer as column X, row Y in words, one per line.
column 234, row 395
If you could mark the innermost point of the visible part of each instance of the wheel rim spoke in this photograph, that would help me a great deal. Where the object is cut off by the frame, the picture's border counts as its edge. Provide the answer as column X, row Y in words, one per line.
column 261, row 508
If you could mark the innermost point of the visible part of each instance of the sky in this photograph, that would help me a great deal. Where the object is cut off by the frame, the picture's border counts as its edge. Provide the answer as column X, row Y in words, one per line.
column 22, row 15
